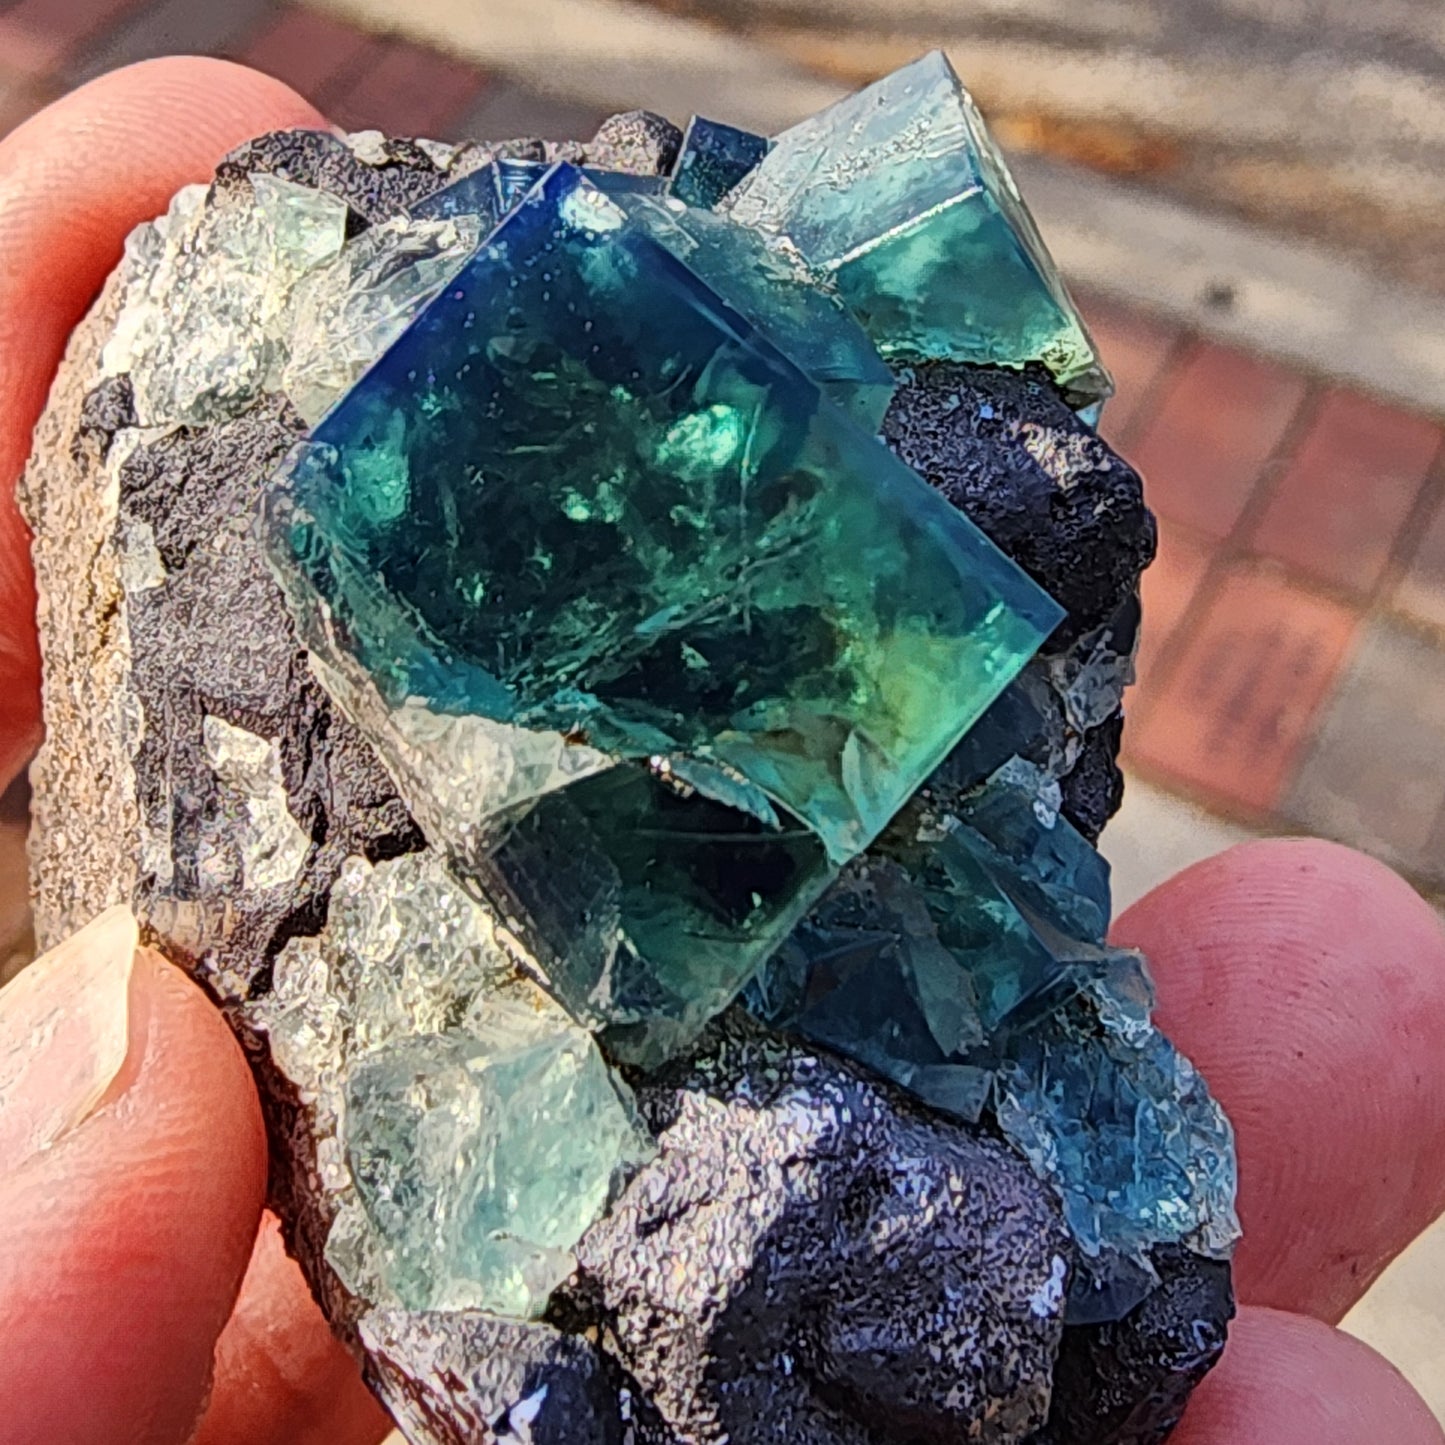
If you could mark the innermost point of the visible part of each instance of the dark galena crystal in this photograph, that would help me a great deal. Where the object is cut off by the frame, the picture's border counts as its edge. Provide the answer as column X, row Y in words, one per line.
column 646, row 837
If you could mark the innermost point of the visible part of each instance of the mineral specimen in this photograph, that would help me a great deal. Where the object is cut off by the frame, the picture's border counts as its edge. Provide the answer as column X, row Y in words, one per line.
column 644, row 840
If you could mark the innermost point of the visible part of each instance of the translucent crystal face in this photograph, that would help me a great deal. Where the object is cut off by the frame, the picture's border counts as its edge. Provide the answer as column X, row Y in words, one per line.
column 899, row 195
column 667, row 544
column 670, row 544
column 769, row 286
column 473, row 1129
column 714, row 159
column 490, row 192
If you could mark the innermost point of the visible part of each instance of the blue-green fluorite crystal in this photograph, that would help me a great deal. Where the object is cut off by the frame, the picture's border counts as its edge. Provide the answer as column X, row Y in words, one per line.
column 1120, row 1122
column 803, row 318
column 667, row 545
column 899, row 195
column 965, row 959
column 713, row 160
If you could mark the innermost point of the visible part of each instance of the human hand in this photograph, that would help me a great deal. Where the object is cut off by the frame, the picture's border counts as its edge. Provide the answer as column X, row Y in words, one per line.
column 1307, row 982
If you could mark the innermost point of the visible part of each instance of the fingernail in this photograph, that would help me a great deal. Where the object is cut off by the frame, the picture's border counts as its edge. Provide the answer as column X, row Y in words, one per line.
column 64, row 1035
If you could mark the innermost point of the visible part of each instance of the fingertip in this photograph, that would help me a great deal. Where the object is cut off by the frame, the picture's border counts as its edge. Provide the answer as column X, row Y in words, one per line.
column 224, row 103
column 282, row 1377
column 1286, row 1379
column 1307, row 982
column 123, row 1244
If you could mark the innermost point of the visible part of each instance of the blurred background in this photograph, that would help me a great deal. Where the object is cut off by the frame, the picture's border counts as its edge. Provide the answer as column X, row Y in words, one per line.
column 1248, row 197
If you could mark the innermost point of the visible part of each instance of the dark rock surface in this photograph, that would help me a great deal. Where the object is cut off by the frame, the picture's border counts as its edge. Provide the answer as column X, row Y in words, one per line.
column 1127, row 1382
column 1004, row 447
column 637, row 141
column 808, row 1256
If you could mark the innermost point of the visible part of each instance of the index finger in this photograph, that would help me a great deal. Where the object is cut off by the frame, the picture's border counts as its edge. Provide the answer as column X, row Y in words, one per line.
column 74, row 180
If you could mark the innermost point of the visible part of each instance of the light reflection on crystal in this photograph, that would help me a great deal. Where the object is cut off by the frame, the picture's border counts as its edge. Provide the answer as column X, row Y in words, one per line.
column 899, row 194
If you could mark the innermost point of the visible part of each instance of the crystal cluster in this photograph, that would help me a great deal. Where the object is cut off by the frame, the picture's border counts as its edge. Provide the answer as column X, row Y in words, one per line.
column 684, row 672
column 733, row 603
column 634, row 792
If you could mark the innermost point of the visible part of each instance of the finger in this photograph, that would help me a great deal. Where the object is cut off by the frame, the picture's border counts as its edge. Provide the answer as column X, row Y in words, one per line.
column 282, row 1377
column 74, row 180
column 132, row 1170
column 1308, row 984
column 1289, row 1380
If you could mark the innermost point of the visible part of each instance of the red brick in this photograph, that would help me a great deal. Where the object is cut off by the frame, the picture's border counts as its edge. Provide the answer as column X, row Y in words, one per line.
column 1242, row 696
column 407, row 90
column 1337, row 511
column 37, row 37
column 1136, row 350
column 1221, row 419
column 1170, row 587
column 1421, row 592
column 312, row 53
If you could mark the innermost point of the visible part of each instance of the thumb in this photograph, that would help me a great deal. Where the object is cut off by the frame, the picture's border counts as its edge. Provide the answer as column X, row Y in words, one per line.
column 132, row 1169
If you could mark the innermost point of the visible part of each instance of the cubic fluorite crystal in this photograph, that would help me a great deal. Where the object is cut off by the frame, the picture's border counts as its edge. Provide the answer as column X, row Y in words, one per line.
column 900, row 197
column 729, row 572
column 663, row 870
column 714, row 159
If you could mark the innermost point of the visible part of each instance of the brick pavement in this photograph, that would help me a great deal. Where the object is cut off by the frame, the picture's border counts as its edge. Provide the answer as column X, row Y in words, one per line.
column 1292, row 673
column 1293, row 669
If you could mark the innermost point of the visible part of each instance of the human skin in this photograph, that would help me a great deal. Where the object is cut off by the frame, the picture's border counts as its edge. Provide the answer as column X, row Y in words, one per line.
column 146, row 1300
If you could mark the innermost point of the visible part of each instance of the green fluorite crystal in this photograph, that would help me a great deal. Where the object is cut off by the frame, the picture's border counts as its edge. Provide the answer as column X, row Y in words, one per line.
column 482, row 1154
column 899, row 195
column 667, row 545
column 480, row 1128
column 771, row 287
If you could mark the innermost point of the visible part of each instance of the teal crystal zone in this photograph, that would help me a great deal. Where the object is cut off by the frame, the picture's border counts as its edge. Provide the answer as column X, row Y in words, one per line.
column 965, row 959
column 899, row 196
column 687, row 675
column 714, row 159
column 667, row 546
column 770, row 287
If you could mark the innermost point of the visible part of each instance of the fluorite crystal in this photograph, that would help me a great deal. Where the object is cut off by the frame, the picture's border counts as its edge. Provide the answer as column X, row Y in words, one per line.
column 728, row 572
column 900, row 197
column 646, row 839
column 965, row 959
column 480, row 1128
column 714, row 159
